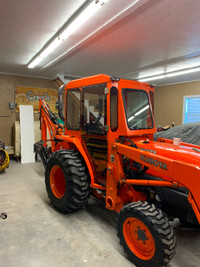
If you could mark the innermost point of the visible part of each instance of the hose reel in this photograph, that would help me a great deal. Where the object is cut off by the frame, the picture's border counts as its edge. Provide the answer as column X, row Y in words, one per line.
column 4, row 159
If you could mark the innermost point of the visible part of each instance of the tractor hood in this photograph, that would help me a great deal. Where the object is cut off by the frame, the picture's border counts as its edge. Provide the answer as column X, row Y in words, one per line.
column 180, row 152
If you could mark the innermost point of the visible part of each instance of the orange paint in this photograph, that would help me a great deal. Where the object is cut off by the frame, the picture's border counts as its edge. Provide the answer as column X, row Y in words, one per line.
column 57, row 181
column 138, row 238
column 174, row 166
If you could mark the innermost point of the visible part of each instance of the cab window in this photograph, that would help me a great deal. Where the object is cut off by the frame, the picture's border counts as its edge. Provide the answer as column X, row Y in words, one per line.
column 137, row 108
column 73, row 103
column 113, row 109
column 94, row 109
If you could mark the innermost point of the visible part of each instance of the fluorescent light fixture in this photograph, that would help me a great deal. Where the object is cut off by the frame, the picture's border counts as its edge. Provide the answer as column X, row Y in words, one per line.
column 182, row 72
column 92, row 33
column 157, row 77
column 170, row 74
column 51, row 47
column 183, row 65
column 35, row 62
column 87, row 13
column 82, row 18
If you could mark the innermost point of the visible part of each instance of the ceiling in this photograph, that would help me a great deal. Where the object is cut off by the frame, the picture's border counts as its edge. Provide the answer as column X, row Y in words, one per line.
column 129, row 40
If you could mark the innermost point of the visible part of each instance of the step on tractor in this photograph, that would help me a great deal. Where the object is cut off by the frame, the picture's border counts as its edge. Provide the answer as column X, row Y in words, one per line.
column 103, row 146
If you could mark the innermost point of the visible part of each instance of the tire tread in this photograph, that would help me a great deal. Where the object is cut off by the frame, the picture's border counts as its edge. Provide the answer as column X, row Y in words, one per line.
column 160, row 224
column 78, row 184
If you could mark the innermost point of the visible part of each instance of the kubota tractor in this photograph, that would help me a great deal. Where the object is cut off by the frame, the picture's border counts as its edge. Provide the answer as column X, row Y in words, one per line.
column 105, row 148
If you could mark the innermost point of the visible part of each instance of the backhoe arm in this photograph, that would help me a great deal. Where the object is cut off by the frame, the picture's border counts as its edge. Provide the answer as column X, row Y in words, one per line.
column 48, row 122
column 49, row 127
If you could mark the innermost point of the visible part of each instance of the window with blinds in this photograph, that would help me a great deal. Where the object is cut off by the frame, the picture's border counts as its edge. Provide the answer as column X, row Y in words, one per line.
column 191, row 109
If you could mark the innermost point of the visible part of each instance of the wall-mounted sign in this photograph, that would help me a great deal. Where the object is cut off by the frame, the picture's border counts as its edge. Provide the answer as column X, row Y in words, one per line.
column 31, row 95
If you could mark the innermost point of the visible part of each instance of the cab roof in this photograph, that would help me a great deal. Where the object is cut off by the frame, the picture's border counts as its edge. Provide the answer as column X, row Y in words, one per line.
column 100, row 78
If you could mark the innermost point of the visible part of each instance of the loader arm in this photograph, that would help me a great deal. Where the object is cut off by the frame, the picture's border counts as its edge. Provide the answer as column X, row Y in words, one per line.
column 179, row 173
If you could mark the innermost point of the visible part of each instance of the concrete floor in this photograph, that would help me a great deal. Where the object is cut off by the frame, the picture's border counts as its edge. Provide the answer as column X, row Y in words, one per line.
column 34, row 234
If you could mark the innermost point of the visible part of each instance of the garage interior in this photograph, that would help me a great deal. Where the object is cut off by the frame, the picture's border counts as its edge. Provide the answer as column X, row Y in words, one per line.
column 156, row 42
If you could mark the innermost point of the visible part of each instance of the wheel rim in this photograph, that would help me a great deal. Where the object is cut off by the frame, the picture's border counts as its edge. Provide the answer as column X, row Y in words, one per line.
column 57, row 181
column 138, row 238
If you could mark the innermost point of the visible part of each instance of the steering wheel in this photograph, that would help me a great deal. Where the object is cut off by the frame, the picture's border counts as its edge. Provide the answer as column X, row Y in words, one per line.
column 97, row 119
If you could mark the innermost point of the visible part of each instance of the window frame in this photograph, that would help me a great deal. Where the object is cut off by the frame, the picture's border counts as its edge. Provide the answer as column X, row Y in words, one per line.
column 69, row 90
column 124, row 104
column 184, row 106
column 116, row 128
column 151, row 97
column 83, row 99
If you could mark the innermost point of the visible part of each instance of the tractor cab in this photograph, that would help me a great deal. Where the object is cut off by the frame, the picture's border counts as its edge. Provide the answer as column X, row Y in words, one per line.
column 100, row 104
column 102, row 110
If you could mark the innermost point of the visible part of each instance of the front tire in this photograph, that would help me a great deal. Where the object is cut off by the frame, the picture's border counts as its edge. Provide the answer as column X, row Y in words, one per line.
column 67, row 182
column 146, row 235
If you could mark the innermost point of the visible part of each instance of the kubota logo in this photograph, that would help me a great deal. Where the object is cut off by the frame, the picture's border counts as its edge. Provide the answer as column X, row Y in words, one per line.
column 156, row 163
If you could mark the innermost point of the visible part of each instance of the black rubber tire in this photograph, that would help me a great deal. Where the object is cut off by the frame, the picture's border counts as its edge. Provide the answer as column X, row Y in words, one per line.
column 159, row 227
column 77, row 182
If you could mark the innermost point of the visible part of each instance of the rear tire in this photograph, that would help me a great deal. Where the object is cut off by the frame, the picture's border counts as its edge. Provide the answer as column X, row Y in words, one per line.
column 67, row 182
column 146, row 235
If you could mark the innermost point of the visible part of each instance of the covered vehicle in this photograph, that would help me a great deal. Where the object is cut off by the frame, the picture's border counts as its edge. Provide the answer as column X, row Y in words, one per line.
column 188, row 133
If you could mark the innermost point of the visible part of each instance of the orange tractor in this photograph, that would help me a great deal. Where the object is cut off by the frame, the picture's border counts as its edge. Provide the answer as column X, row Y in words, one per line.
column 106, row 150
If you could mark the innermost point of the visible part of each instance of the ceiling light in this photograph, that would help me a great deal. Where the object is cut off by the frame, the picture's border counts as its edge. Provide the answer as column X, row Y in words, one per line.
column 157, row 77
column 51, row 47
column 183, row 65
column 182, row 72
column 82, row 18
column 169, row 74
column 34, row 62
column 75, row 46
column 88, row 12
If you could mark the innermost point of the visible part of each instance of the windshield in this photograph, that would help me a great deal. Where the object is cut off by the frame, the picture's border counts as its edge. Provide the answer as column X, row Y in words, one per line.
column 94, row 113
column 137, row 108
